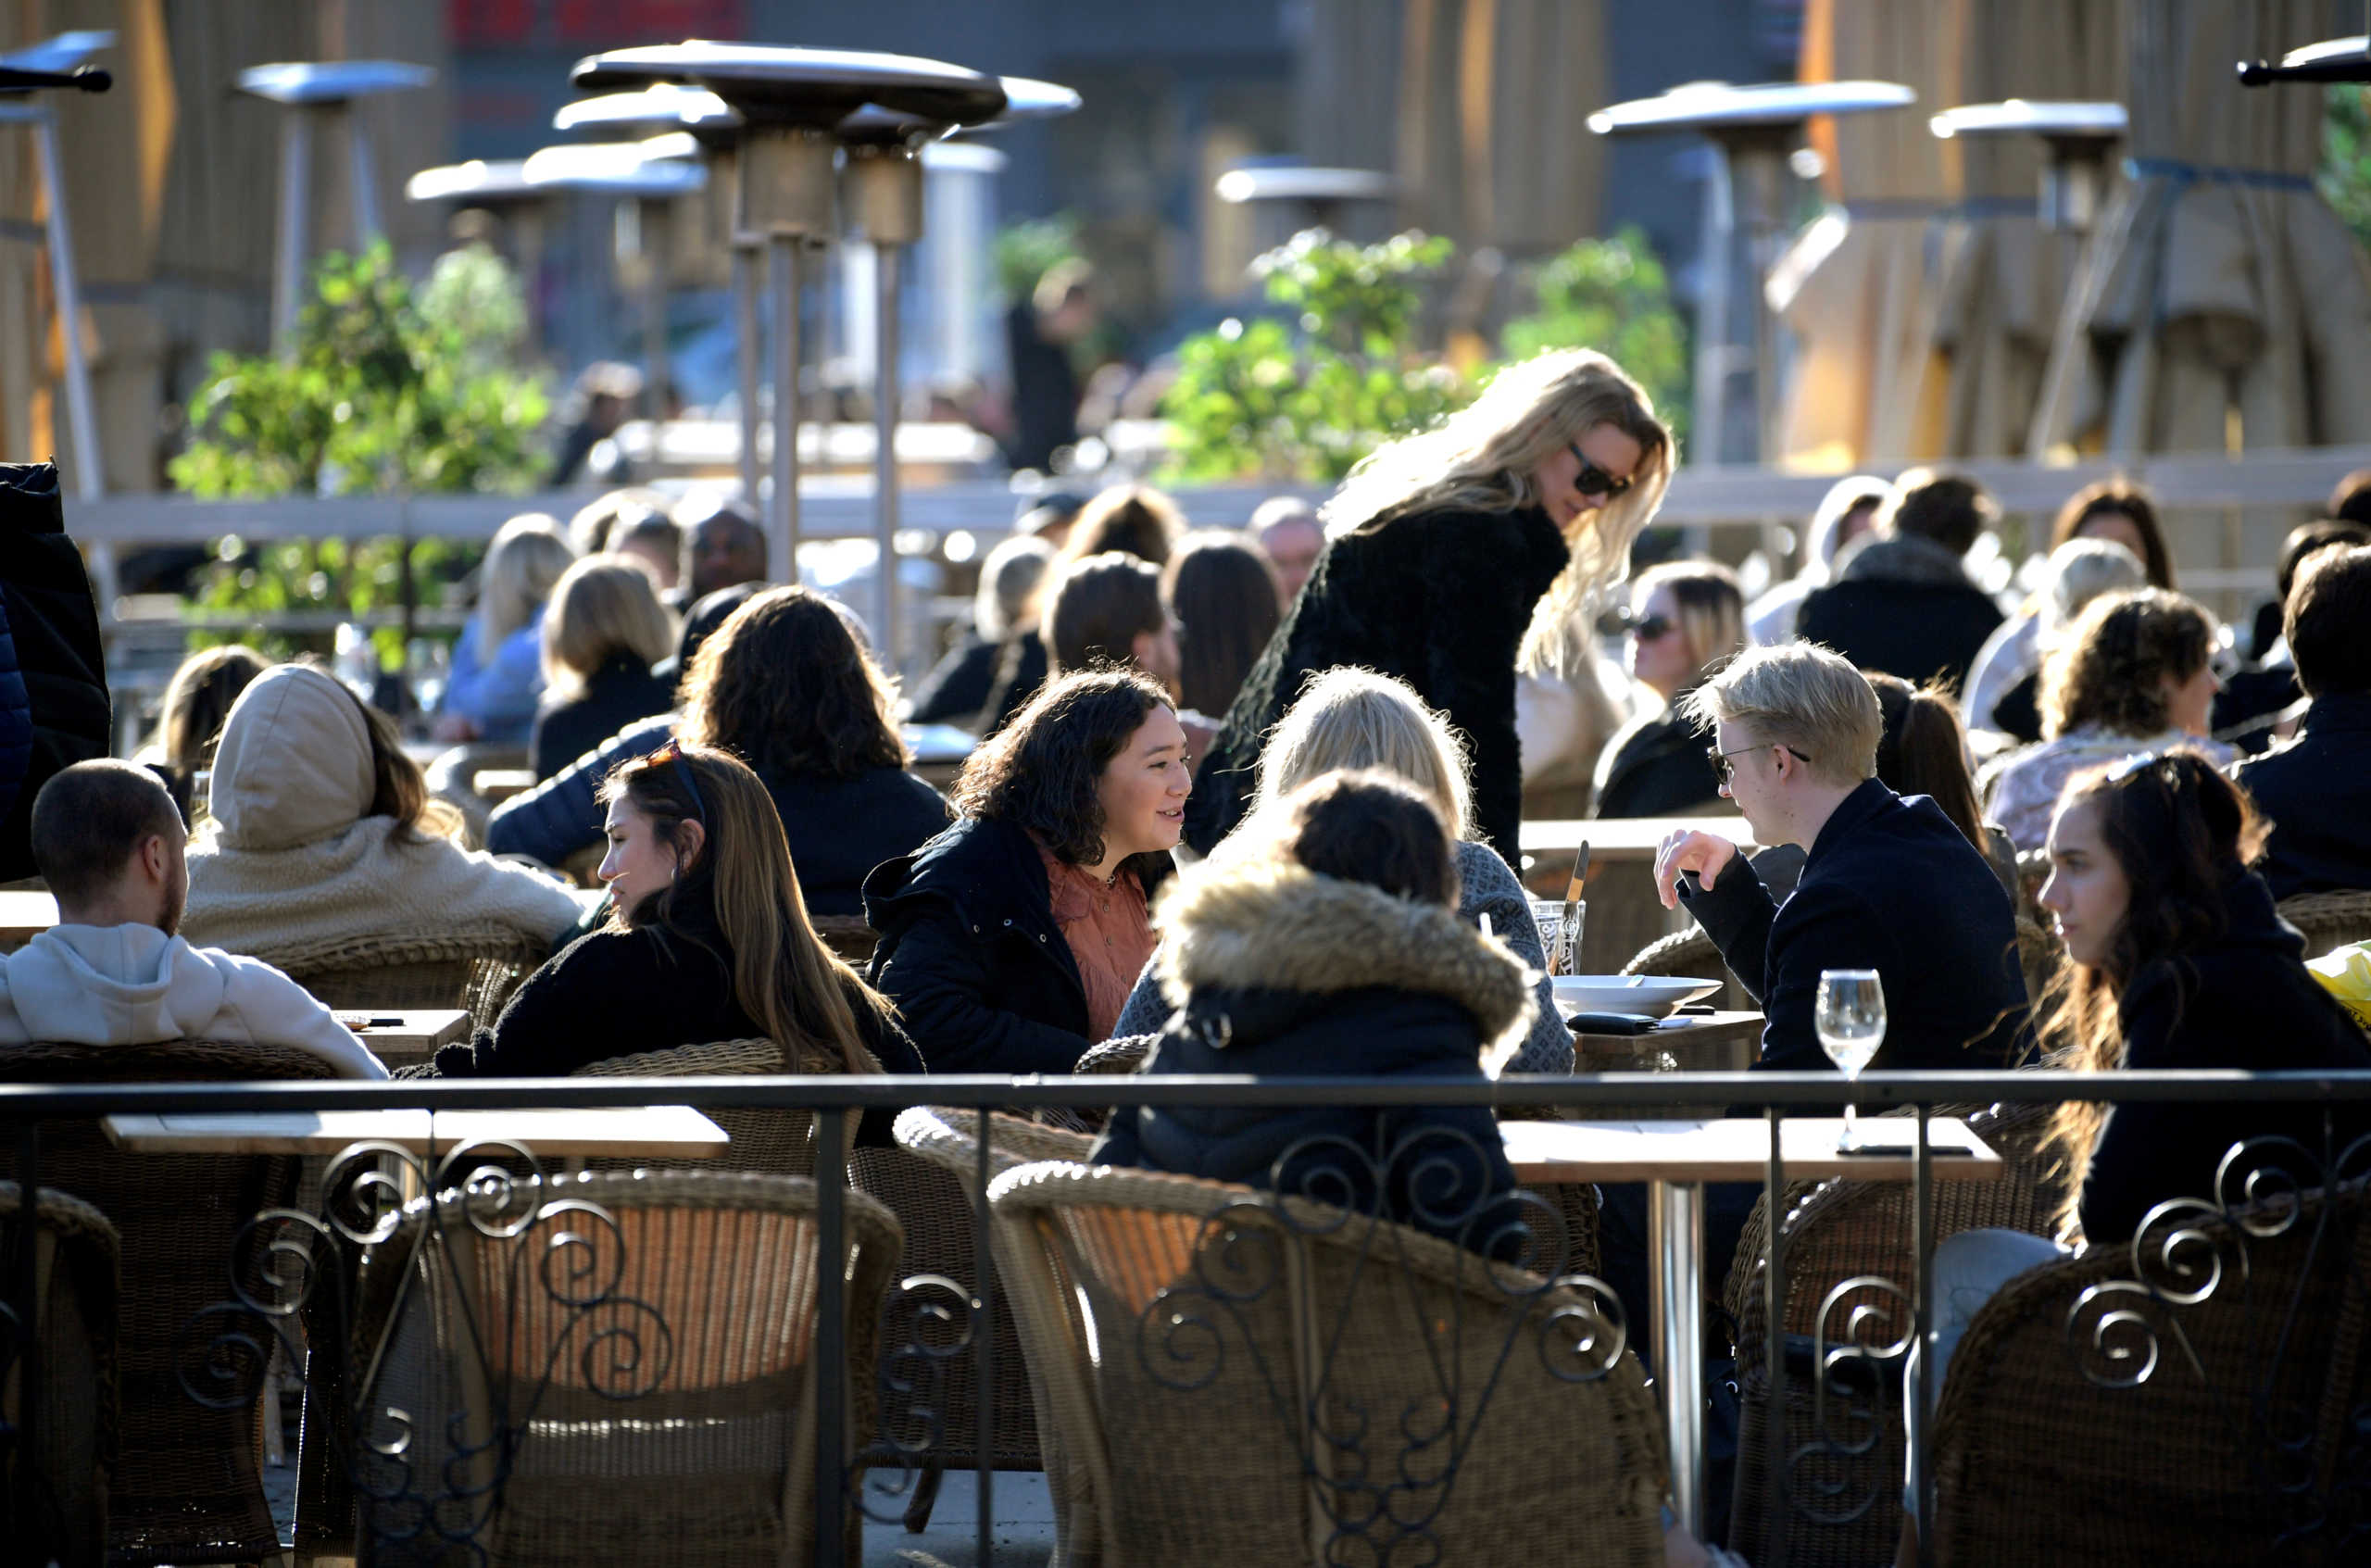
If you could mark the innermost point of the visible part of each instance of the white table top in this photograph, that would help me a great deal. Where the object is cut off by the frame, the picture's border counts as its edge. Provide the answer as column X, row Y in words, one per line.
column 24, row 914
column 1734, row 1150
column 401, row 1035
column 1622, row 838
column 667, row 1131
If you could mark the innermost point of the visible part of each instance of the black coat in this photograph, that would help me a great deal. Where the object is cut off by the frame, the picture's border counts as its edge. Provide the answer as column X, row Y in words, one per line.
column 1904, row 606
column 55, row 711
column 621, row 993
column 1045, row 392
column 1439, row 598
column 2242, row 999
column 619, row 693
column 1022, row 668
column 970, row 952
column 956, row 687
column 2316, row 793
column 1289, row 973
column 1656, row 767
column 1890, row 884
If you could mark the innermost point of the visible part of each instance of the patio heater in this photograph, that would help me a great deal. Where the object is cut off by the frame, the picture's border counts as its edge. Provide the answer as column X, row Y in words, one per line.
column 2079, row 135
column 307, row 92
column 1303, row 197
column 58, row 63
column 1754, row 130
column 500, row 186
column 884, row 191
column 789, row 100
column 645, row 187
column 2333, row 59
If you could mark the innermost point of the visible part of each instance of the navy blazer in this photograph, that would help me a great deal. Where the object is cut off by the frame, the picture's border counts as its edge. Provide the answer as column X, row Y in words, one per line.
column 1889, row 884
column 2316, row 793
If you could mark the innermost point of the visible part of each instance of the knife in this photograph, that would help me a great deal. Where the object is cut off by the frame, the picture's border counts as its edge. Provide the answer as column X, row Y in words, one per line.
column 1568, row 948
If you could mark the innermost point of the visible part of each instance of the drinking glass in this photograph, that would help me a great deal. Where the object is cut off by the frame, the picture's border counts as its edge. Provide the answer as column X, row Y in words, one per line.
column 1547, row 914
column 1850, row 1018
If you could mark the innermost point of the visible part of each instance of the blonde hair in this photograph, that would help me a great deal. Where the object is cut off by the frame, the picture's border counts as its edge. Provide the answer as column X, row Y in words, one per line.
column 198, row 698
column 602, row 604
column 522, row 564
column 1348, row 719
column 1799, row 695
column 1711, row 603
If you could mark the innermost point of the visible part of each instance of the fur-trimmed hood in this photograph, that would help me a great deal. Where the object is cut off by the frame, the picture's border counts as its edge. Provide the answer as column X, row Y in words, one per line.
column 1258, row 925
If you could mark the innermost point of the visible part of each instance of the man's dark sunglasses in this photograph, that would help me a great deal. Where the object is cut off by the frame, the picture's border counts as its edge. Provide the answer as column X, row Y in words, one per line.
column 1720, row 759
column 1593, row 480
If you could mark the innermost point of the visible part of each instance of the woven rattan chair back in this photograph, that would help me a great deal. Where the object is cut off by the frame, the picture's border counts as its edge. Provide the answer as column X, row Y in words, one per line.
column 187, row 1487
column 2040, row 953
column 656, row 1370
column 848, row 936
column 776, row 1141
column 1257, row 1390
column 1839, row 1230
column 475, row 973
column 2090, row 1415
column 1691, row 953
column 59, row 1513
column 2330, row 921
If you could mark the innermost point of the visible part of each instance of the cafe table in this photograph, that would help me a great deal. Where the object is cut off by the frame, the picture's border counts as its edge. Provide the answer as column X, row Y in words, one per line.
column 400, row 1037
column 25, row 913
column 1624, row 912
column 1676, row 1159
column 1720, row 1041
column 655, row 1132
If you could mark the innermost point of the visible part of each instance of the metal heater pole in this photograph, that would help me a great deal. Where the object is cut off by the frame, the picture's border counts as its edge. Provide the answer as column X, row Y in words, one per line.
column 886, row 261
column 781, row 506
column 750, row 349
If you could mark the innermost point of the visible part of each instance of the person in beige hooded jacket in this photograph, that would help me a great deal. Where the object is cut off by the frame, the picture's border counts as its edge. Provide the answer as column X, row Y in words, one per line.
column 323, row 835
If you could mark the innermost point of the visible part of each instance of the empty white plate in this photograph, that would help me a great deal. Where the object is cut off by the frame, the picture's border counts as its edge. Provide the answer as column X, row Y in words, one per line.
column 1653, row 994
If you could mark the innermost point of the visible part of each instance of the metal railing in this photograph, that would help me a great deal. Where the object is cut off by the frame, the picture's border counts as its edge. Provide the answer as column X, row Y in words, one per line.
column 1587, row 1319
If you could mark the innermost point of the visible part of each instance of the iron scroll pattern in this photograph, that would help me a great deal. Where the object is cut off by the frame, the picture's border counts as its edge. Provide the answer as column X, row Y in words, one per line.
column 520, row 1280
column 2283, row 1236
column 929, row 1326
column 1380, row 1476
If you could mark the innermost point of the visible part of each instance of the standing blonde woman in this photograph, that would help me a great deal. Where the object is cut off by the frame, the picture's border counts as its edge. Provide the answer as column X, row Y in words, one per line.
column 497, row 661
column 1445, row 549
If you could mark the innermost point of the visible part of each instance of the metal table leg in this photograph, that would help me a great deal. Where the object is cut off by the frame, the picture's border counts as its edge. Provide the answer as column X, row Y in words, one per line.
column 1676, row 1232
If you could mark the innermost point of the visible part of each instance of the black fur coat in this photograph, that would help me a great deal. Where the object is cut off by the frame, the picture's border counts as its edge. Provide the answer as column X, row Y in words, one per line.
column 1439, row 599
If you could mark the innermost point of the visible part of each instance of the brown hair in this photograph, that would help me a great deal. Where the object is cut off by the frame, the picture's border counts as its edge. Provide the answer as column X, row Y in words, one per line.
column 89, row 817
column 1922, row 751
column 2110, row 667
column 1949, row 508
column 1222, row 592
column 198, row 698
column 2351, row 498
column 2181, row 832
column 784, row 686
column 2328, row 621
column 1040, row 772
column 2125, row 499
column 797, row 989
column 398, row 789
column 1097, row 609
column 1371, row 827
column 2309, row 539
column 1134, row 518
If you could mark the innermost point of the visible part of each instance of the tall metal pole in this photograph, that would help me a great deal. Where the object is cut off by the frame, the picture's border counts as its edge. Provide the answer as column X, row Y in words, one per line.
column 1714, row 269
column 886, row 258
column 750, row 349
column 781, row 506
column 650, row 244
column 90, row 474
column 295, row 226
column 369, row 227
column 1760, row 163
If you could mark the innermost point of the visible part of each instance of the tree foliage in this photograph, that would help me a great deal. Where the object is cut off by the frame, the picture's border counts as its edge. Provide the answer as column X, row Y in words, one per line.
column 1612, row 295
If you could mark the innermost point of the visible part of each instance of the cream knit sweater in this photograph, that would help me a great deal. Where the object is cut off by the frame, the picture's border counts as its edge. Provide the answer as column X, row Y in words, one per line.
column 293, row 863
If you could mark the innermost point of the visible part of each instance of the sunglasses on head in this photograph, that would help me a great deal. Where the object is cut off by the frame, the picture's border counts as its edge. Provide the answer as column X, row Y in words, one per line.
column 1593, row 480
column 672, row 754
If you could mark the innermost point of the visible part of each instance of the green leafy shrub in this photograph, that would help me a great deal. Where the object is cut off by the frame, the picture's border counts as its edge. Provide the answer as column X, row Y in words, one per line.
column 1611, row 294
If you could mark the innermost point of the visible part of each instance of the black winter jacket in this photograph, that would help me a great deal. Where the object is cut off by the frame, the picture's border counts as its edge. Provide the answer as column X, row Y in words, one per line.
column 2317, row 791
column 1439, row 598
column 1277, row 971
column 970, row 952
column 1904, row 606
column 1890, row 884
column 2242, row 999
column 1022, row 668
column 55, row 711
column 956, row 685
column 619, row 993
column 621, row 692
column 1656, row 767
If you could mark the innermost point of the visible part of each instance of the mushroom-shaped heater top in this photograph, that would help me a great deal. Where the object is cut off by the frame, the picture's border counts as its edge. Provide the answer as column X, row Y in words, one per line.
column 56, row 63
column 2333, row 59
column 661, row 104
column 479, row 183
column 1714, row 106
column 812, row 88
column 620, row 169
column 1293, row 182
column 2056, row 120
column 331, row 81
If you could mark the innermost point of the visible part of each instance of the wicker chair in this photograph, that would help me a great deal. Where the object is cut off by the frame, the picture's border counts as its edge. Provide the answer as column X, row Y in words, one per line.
column 1839, row 1230
column 848, row 936
column 475, row 973
column 700, row 1437
column 75, row 1286
column 2036, row 1462
column 1117, row 1058
column 1189, row 1408
column 777, row 1142
column 2330, row 921
column 187, row 1486
column 2033, row 870
column 2038, row 953
column 1692, row 953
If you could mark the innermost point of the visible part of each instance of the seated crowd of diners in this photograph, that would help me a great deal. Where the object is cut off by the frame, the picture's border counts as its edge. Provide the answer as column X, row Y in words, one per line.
column 1236, row 818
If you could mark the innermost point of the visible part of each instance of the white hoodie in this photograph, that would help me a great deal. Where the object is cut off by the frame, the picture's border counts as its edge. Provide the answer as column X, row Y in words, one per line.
column 132, row 985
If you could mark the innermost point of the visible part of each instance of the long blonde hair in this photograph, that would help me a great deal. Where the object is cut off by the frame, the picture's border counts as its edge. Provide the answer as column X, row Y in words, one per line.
column 601, row 605
column 522, row 566
column 1350, row 719
column 1481, row 458
column 797, row 989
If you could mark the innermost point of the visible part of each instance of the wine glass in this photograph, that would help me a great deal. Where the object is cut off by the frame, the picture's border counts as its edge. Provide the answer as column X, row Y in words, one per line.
column 1850, row 1019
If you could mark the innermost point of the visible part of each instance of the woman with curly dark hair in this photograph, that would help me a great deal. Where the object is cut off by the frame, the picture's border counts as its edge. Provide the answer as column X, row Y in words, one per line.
column 1010, row 941
column 2135, row 673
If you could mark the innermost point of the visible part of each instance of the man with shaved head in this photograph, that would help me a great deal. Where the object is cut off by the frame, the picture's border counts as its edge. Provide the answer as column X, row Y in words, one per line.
column 115, row 969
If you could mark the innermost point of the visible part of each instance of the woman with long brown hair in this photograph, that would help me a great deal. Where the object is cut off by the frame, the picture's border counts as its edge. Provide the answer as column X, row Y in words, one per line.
column 1453, row 553
column 707, row 939
column 1221, row 593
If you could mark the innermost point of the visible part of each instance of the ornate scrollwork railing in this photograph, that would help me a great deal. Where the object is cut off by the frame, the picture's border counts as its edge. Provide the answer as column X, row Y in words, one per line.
column 526, row 1285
